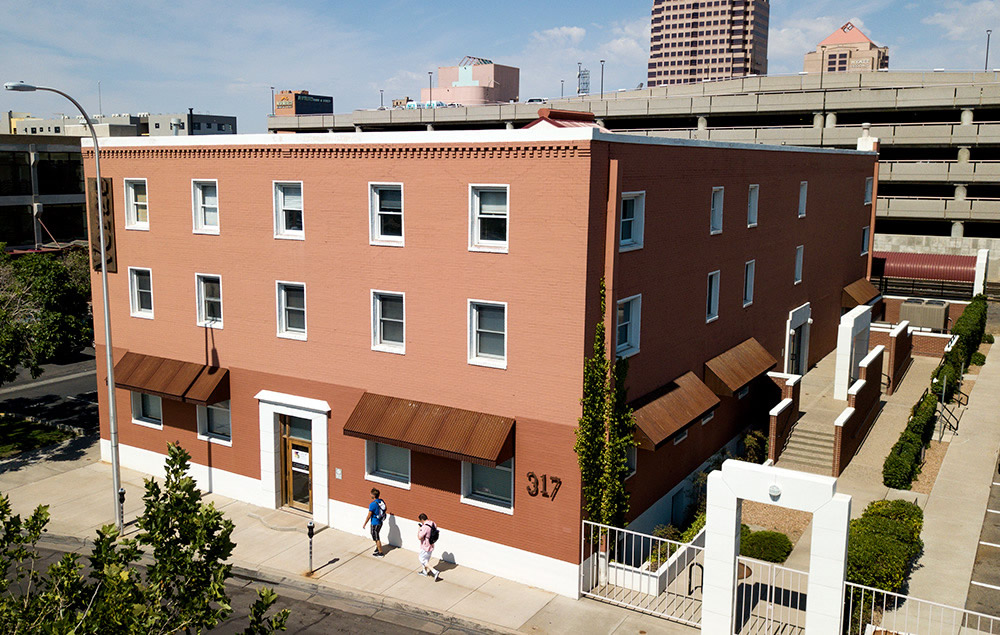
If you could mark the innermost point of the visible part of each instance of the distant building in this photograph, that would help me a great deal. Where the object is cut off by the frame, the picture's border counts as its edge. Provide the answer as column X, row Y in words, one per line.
column 473, row 82
column 124, row 125
column 694, row 42
column 846, row 49
column 300, row 102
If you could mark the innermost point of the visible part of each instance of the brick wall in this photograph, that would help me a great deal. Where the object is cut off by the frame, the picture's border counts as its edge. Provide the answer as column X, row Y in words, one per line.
column 863, row 405
column 785, row 414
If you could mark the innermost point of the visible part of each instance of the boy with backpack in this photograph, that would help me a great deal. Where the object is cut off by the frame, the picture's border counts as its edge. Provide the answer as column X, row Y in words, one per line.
column 376, row 514
column 427, row 535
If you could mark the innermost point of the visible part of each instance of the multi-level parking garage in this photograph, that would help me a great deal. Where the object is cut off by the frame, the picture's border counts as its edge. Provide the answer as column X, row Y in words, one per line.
column 939, row 172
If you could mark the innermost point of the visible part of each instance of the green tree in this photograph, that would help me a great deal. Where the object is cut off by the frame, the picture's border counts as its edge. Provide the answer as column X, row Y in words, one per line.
column 181, row 589
column 620, row 437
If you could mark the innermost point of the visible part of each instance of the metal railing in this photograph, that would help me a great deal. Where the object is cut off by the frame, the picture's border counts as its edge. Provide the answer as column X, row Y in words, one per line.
column 868, row 610
column 769, row 598
column 643, row 572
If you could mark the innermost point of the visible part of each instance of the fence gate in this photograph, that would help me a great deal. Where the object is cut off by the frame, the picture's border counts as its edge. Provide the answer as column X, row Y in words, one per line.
column 643, row 572
column 769, row 599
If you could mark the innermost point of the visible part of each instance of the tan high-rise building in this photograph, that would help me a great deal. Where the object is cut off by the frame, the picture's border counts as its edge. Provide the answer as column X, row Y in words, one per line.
column 696, row 41
column 846, row 49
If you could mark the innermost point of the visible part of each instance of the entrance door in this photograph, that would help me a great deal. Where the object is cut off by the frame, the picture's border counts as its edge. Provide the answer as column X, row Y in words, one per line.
column 296, row 462
column 795, row 361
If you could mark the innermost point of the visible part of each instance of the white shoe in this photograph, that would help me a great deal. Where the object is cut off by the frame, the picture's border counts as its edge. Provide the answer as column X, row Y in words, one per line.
column 437, row 574
column 422, row 573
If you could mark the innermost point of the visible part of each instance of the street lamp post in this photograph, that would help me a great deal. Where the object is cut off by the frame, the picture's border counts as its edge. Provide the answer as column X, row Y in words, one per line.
column 562, row 87
column 986, row 65
column 602, row 79
column 272, row 101
column 381, row 98
column 430, row 87
column 112, row 406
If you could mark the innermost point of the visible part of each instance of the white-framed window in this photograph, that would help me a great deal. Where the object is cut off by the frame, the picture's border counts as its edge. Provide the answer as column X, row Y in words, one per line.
column 208, row 291
column 489, row 487
column 136, row 204
column 488, row 333
column 748, row 275
column 215, row 423
column 385, row 211
column 627, row 325
column 869, row 186
column 292, row 310
column 631, row 460
column 633, row 213
column 753, row 194
column 798, row 263
column 147, row 410
column 715, row 219
column 387, row 464
column 140, row 290
column 743, row 392
column 680, row 437
column 708, row 417
column 288, row 218
column 803, row 190
column 489, row 217
column 205, row 206
column 865, row 238
column 712, row 302
column 388, row 322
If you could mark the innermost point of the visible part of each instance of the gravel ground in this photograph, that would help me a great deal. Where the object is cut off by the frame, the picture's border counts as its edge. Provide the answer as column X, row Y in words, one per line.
column 933, row 458
column 790, row 522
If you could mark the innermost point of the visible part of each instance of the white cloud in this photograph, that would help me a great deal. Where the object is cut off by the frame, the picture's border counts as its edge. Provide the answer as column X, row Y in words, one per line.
column 964, row 20
column 562, row 35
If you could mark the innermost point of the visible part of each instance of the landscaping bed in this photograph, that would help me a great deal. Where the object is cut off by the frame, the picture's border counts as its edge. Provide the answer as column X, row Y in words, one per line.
column 23, row 434
column 790, row 522
column 933, row 457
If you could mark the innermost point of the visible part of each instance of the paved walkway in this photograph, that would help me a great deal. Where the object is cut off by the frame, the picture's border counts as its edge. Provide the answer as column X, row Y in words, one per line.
column 271, row 545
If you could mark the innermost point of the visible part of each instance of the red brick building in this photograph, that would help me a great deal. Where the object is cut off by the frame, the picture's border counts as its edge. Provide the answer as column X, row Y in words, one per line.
column 315, row 315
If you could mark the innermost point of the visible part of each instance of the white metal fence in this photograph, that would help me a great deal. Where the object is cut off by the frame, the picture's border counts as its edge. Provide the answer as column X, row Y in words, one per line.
column 769, row 598
column 642, row 572
column 869, row 611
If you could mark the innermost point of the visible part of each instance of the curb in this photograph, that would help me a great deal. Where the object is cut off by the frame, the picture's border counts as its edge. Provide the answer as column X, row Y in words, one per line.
column 335, row 596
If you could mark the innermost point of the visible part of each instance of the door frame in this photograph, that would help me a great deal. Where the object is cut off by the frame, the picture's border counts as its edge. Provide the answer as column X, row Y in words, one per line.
column 287, row 469
column 800, row 316
column 272, row 404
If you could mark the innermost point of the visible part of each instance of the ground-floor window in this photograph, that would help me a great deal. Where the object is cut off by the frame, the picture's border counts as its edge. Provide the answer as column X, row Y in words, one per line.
column 147, row 410
column 387, row 464
column 489, row 487
column 215, row 422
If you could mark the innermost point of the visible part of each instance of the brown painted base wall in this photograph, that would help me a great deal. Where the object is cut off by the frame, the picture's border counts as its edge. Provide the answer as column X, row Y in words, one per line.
column 781, row 423
column 866, row 403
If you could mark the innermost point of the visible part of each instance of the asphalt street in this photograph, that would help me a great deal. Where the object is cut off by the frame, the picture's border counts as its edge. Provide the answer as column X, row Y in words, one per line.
column 984, row 590
column 63, row 393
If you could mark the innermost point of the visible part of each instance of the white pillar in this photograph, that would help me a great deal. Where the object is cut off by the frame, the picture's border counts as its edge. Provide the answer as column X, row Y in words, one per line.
column 852, row 346
column 982, row 262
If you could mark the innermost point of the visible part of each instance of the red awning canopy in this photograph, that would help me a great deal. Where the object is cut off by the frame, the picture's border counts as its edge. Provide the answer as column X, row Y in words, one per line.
column 889, row 264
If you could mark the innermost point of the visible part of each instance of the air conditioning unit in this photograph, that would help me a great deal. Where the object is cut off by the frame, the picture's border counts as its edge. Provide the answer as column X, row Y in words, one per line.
column 912, row 310
column 936, row 314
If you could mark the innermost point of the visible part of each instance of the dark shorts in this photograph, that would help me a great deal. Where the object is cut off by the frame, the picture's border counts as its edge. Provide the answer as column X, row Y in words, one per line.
column 375, row 530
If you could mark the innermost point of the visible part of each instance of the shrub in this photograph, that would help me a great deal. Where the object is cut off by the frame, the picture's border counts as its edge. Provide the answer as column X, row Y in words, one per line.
column 978, row 359
column 755, row 446
column 696, row 525
column 772, row 546
column 922, row 418
column 909, row 516
column 970, row 326
column 947, row 376
column 987, row 338
column 900, row 466
column 883, row 544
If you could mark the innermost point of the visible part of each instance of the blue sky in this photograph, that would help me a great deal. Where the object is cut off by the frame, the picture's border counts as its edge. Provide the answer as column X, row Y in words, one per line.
column 223, row 57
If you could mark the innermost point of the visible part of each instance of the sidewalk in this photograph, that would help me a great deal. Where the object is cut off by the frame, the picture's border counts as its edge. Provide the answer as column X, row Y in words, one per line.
column 271, row 546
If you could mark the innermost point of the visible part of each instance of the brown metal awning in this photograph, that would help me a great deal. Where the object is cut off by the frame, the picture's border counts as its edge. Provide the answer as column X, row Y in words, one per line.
column 727, row 373
column 458, row 434
column 172, row 379
column 668, row 410
column 857, row 293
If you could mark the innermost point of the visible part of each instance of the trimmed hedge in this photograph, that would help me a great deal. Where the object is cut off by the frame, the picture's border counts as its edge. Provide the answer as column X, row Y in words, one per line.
column 772, row 546
column 970, row 327
column 903, row 462
column 978, row 359
column 884, row 543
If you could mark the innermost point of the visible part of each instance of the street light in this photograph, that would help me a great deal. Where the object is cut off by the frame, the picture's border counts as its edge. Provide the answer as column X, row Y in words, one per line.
column 430, row 87
column 602, row 79
column 986, row 66
column 381, row 100
column 272, row 101
column 562, row 86
column 112, row 406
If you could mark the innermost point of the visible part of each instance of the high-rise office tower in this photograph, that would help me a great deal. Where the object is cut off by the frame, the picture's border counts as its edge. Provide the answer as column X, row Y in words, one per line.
column 696, row 41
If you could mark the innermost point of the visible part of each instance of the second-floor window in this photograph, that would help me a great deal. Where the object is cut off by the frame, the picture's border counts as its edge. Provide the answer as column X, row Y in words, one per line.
column 748, row 275
column 632, row 217
column 388, row 325
column 488, row 218
column 869, row 186
column 803, row 190
column 627, row 324
column 136, row 205
column 712, row 302
column 206, row 206
column 798, row 263
column 715, row 220
column 865, row 238
column 386, row 203
column 288, row 218
column 140, row 282
column 488, row 333
column 292, row 310
column 209, row 292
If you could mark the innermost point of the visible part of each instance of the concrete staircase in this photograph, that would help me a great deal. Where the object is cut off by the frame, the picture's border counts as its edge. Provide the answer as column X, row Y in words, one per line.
column 809, row 448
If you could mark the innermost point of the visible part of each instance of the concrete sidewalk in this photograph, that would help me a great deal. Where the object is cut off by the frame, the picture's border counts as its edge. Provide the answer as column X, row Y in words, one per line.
column 271, row 545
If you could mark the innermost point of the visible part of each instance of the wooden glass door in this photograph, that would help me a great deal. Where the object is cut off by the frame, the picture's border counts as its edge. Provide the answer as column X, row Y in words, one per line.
column 296, row 452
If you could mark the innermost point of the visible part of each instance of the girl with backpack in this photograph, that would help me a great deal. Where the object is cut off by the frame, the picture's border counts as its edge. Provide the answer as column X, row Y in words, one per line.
column 427, row 535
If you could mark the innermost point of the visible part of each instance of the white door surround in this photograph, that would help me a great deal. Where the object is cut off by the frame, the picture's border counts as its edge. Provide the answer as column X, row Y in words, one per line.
column 738, row 481
column 273, row 404
column 852, row 347
column 798, row 317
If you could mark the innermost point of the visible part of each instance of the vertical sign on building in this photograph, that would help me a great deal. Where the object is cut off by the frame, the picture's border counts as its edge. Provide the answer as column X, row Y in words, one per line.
column 109, row 224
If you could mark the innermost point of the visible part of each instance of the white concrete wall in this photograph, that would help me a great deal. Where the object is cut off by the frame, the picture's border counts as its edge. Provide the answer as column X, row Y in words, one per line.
column 852, row 346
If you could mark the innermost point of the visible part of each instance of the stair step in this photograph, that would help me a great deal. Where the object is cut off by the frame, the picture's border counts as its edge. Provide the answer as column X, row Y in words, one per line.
column 812, row 442
column 801, row 466
column 826, row 433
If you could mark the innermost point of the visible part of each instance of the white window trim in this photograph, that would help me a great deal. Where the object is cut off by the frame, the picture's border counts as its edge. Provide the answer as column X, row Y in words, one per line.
column 680, row 437
column 803, row 196
column 399, row 349
column 199, row 227
column 130, row 217
column 475, row 244
column 489, row 362
column 750, row 265
column 205, row 435
column 467, row 486
column 711, row 210
column 199, row 301
column 708, row 417
column 369, row 476
column 742, row 392
column 631, row 347
column 718, row 283
column 869, row 189
column 800, row 264
column 638, row 221
column 137, row 408
column 374, row 236
column 280, row 232
column 133, row 294
column 754, row 187
column 291, row 335
column 866, row 240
